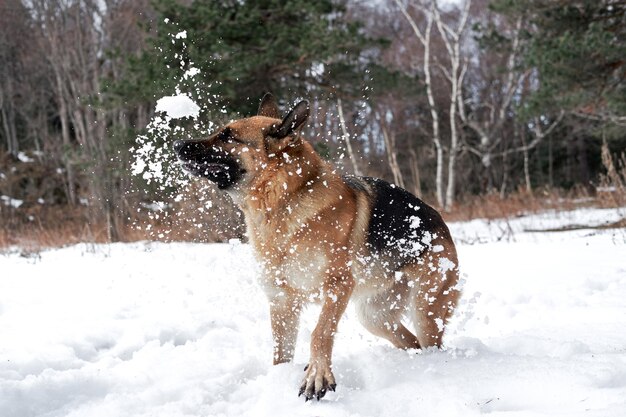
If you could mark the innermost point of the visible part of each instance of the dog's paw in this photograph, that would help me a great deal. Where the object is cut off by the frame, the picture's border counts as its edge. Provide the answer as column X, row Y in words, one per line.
column 317, row 381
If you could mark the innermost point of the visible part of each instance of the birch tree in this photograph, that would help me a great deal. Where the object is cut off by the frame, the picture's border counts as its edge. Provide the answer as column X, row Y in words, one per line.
column 453, row 68
column 454, row 73
column 424, row 36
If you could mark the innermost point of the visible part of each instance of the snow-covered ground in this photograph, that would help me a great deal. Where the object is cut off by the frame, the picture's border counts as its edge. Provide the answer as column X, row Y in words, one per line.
column 152, row 329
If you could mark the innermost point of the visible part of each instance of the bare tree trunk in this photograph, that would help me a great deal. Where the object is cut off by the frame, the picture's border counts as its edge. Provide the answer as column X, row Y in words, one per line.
column 452, row 40
column 529, row 188
column 8, row 120
column 415, row 173
column 505, row 177
column 390, row 144
column 550, row 164
column 346, row 137
column 435, row 117
column 142, row 117
column 65, row 136
column 9, row 131
column 613, row 176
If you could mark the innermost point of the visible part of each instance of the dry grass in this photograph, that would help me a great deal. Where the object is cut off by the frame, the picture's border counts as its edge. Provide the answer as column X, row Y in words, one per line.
column 34, row 229
column 190, row 220
column 493, row 206
column 37, row 227
column 612, row 187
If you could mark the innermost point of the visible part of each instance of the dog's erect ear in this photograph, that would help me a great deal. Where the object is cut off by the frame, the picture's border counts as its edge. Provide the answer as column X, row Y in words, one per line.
column 292, row 122
column 268, row 107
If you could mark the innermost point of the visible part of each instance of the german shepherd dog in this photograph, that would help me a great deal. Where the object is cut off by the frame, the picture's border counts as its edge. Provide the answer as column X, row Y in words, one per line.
column 323, row 237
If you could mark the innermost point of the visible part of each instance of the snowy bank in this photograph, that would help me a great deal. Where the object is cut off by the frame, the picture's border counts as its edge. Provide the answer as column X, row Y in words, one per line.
column 153, row 329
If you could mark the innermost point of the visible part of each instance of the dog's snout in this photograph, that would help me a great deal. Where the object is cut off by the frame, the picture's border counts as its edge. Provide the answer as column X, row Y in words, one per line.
column 186, row 149
column 178, row 145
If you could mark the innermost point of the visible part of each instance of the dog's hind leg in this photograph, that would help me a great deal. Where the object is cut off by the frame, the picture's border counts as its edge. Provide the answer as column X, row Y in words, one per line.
column 435, row 295
column 285, row 309
column 381, row 315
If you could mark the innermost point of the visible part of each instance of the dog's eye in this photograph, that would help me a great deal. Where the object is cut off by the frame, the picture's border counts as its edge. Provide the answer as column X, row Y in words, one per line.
column 227, row 136
column 236, row 139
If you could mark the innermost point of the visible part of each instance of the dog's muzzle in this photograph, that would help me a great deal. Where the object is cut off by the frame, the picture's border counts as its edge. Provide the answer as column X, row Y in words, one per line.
column 202, row 160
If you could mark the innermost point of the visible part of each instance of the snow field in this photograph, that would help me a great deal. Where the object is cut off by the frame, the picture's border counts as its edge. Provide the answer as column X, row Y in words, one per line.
column 153, row 329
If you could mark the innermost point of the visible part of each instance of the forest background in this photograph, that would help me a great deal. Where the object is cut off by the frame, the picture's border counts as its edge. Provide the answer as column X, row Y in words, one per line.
column 482, row 108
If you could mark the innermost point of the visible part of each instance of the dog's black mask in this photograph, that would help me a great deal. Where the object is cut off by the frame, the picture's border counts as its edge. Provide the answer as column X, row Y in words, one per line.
column 203, row 160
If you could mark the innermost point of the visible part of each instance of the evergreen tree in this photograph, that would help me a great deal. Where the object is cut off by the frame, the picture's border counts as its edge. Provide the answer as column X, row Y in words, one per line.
column 578, row 49
column 244, row 48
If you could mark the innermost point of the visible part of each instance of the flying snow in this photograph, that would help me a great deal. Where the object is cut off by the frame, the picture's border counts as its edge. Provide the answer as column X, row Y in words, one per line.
column 178, row 106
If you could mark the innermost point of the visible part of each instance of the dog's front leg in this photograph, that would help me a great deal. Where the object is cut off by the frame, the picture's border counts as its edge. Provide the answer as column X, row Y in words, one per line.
column 319, row 376
column 285, row 310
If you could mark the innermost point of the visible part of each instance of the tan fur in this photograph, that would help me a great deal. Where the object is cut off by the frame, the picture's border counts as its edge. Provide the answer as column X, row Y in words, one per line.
column 308, row 229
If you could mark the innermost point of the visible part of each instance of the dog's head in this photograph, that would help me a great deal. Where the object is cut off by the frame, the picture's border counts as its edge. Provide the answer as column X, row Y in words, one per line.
column 233, row 155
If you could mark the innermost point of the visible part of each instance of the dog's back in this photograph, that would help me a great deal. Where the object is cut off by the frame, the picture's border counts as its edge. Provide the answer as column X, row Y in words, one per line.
column 401, row 225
